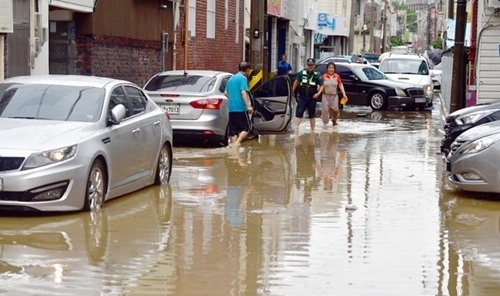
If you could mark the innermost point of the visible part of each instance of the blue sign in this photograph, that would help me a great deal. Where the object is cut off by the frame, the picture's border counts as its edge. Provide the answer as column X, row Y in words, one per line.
column 72, row 29
column 322, row 20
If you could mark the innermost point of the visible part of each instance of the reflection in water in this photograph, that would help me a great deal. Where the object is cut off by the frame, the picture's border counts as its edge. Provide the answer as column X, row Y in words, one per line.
column 472, row 227
column 103, row 253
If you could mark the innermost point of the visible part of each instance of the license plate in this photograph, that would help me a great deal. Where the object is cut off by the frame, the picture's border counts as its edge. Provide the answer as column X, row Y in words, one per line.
column 173, row 109
column 419, row 100
column 1, row 184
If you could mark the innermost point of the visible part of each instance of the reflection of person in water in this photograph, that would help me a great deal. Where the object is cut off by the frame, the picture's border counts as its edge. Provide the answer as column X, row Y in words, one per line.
column 306, row 165
column 328, row 164
column 237, row 191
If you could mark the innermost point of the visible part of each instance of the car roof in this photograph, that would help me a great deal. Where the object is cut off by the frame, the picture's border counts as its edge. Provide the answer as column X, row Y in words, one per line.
column 74, row 80
column 404, row 56
column 194, row 72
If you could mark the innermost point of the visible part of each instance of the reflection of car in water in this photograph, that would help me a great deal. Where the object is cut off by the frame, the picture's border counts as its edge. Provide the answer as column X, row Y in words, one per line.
column 473, row 233
column 98, row 251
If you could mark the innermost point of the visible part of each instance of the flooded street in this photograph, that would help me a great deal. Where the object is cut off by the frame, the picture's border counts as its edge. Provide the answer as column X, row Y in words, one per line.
column 361, row 208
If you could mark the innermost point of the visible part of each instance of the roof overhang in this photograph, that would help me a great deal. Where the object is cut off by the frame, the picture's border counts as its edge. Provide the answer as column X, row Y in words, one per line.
column 76, row 5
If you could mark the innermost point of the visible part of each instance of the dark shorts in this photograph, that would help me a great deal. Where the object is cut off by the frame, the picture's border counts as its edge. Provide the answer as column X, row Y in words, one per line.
column 303, row 104
column 238, row 122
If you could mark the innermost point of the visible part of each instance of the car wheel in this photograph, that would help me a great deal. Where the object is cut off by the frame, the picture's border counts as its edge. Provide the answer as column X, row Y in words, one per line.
column 96, row 187
column 224, row 141
column 164, row 167
column 378, row 101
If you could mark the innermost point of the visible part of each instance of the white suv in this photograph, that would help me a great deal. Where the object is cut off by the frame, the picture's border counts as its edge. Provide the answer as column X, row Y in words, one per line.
column 409, row 68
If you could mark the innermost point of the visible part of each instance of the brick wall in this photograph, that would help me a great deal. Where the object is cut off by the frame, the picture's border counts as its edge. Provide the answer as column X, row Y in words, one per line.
column 117, row 57
column 222, row 53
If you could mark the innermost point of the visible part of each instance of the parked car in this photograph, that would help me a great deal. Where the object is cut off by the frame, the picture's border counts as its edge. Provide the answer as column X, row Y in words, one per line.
column 409, row 68
column 71, row 142
column 436, row 76
column 471, row 164
column 335, row 59
column 365, row 85
column 463, row 119
column 198, row 107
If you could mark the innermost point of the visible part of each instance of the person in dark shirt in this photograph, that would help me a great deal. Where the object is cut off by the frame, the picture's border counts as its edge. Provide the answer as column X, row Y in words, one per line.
column 284, row 66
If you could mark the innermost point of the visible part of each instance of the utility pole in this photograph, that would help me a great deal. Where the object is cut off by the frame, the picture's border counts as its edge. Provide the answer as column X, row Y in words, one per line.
column 384, row 25
column 258, row 36
column 457, row 100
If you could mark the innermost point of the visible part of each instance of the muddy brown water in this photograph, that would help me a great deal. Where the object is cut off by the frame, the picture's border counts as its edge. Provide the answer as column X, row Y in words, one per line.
column 357, row 209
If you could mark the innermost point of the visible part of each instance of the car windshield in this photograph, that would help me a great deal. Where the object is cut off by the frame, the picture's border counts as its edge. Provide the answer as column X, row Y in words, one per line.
column 404, row 66
column 51, row 102
column 181, row 83
column 370, row 73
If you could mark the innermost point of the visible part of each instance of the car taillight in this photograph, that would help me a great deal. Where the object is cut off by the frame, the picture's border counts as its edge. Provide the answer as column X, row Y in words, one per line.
column 207, row 104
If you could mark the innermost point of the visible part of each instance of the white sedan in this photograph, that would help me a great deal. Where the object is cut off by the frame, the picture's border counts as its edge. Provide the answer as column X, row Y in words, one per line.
column 70, row 143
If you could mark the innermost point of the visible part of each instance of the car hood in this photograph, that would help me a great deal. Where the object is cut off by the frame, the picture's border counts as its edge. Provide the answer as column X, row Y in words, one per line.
column 410, row 78
column 471, row 109
column 39, row 135
column 394, row 83
column 480, row 131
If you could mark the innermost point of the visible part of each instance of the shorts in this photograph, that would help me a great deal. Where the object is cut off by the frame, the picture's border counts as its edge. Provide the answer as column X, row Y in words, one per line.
column 303, row 104
column 238, row 122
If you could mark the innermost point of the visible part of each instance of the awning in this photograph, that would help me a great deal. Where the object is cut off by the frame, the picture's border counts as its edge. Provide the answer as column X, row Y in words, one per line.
column 76, row 5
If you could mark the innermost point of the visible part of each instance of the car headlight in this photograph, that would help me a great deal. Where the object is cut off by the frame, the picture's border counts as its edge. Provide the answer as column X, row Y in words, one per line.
column 36, row 160
column 480, row 144
column 428, row 89
column 473, row 117
column 400, row 92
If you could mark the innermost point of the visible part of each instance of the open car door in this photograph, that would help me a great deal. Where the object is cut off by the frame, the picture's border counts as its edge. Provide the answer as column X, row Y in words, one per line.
column 272, row 104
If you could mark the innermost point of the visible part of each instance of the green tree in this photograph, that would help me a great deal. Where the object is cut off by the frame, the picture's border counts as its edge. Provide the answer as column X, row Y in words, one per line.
column 411, row 20
column 396, row 40
column 438, row 43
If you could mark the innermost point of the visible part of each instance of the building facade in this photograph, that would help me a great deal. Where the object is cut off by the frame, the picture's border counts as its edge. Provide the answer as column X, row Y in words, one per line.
column 135, row 41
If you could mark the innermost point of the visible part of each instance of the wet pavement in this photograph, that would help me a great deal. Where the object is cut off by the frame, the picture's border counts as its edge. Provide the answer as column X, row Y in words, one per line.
column 357, row 209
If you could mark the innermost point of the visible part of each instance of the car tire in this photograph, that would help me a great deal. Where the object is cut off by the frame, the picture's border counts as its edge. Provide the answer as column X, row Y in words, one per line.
column 96, row 187
column 224, row 140
column 164, row 165
column 378, row 101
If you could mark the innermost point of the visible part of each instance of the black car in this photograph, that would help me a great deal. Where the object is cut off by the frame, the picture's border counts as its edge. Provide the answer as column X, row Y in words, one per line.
column 365, row 85
column 461, row 120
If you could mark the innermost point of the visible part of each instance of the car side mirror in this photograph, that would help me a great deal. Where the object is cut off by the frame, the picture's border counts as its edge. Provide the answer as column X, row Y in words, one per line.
column 117, row 114
column 354, row 77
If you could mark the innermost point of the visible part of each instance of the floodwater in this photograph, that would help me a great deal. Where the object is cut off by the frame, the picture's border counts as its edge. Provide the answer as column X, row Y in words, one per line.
column 357, row 209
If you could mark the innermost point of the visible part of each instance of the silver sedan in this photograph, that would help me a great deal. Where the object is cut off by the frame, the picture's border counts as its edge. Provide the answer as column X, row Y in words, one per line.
column 195, row 101
column 472, row 164
column 70, row 143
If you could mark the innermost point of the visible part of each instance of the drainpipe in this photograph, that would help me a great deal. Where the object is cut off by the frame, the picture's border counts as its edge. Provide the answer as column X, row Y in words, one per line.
column 175, row 13
column 186, row 33
column 473, row 40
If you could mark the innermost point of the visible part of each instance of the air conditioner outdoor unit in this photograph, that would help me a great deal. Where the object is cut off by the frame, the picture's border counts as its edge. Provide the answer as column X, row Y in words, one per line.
column 494, row 3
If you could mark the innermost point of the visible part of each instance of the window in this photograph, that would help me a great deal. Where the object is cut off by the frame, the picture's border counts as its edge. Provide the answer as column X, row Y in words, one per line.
column 237, row 21
column 137, row 99
column 192, row 18
column 179, row 83
column 223, row 84
column 226, row 15
column 118, row 97
column 52, row 102
column 211, row 19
